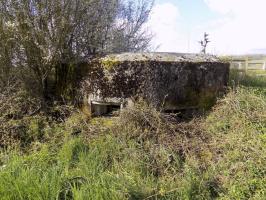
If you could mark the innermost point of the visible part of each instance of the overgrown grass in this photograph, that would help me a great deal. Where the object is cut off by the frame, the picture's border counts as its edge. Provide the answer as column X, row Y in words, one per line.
column 238, row 125
column 248, row 79
column 143, row 155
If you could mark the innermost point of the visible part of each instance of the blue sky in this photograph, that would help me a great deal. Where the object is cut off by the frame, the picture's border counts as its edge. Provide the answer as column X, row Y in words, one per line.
column 235, row 26
column 193, row 12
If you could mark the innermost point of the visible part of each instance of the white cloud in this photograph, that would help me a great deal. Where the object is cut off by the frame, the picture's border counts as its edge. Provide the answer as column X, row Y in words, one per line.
column 164, row 23
column 244, row 26
column 240, row 26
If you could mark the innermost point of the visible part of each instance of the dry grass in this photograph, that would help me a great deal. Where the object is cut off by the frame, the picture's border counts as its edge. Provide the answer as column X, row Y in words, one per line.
column 143, row 154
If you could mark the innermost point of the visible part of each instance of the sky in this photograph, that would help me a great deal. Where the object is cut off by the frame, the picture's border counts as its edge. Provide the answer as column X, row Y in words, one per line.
column 234, row 26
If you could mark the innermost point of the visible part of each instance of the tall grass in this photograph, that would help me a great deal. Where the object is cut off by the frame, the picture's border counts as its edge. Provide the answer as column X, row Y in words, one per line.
column 142, row 155
column 106, row 168
column 238, row 125
column 248, row 79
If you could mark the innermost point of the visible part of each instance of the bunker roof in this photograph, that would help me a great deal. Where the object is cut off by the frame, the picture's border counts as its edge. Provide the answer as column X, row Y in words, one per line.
column 163, row 57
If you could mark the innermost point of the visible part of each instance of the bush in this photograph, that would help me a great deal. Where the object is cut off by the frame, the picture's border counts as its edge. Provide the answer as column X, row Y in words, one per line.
column 24, row 122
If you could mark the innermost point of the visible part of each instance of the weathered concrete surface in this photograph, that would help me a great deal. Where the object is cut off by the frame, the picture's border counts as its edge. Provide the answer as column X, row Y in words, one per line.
column 167, row 80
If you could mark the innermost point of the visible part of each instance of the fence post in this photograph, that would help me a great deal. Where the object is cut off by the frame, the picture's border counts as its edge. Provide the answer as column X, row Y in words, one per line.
column 246, row 64
column 264, row 65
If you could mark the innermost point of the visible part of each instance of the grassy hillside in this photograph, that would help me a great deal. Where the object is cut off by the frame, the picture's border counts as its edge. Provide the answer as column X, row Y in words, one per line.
column 141, row 154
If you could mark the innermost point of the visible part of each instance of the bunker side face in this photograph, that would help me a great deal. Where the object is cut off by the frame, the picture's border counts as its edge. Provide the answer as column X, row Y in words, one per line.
column 166, row 80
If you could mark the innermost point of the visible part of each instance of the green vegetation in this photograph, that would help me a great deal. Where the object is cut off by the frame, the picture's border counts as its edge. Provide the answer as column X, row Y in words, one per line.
column 43, row 43
column 141, row 154
column 109, row 63
column 249, row 79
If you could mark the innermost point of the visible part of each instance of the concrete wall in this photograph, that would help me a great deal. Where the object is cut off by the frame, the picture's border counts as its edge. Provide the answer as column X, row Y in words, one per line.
column 172, row 85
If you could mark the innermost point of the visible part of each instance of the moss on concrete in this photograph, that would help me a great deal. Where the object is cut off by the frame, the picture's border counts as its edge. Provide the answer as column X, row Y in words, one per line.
column 109, row 64
column 182, row 82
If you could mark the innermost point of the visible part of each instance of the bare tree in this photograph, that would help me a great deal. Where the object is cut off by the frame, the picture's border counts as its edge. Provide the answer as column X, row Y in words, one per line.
column 45, row 39
column 129, row 33
column 204, row 43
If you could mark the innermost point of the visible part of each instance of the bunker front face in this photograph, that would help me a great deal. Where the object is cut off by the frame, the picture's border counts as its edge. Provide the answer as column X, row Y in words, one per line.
column 166, row 80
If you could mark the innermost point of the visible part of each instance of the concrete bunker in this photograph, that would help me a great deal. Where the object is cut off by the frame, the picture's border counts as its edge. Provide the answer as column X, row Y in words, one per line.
column 99, row 108
column 169, row 81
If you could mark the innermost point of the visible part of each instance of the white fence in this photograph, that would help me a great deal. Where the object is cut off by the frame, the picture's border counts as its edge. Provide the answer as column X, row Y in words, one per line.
column 248, row 63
